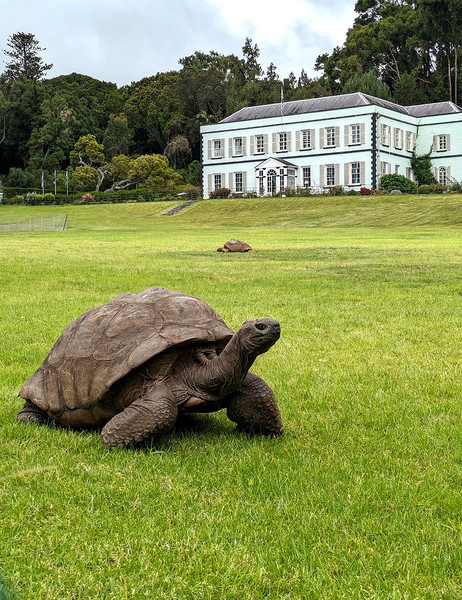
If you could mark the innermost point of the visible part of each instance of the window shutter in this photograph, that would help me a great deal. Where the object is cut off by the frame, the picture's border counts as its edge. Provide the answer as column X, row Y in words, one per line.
column 210, row 183
column 448, row 175
column 274, row 142
column 346, row 135
column 321, row 138
column 322, row 178
column 223, row 180
column 312, row 139
column 435, row 143
column 436, row 174
column 413, row 141
column 265, row 143
column 336, row 171
column 337, row 135
column 297, row 140
column 232, row 181
column 448, row 141
column 209, row 148
column 362, row 131
column 395, row 136
column 230, row 147
column 346, row 171
column 289, row 141
column 244, row 181
column 252, row 144
column 244, row 146
column 362, row 173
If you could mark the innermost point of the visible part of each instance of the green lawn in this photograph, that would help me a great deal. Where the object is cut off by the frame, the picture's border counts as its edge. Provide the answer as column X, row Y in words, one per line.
column 360, row 499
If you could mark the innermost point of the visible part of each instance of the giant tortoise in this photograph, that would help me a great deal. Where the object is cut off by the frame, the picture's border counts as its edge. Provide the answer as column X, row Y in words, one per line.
column 134, row 364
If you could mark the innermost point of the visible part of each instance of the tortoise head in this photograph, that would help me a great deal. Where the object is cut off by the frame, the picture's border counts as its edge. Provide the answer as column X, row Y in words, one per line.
column 257, row 336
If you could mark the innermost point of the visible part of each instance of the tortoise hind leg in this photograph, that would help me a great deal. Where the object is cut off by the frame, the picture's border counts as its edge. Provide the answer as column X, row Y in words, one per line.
column 31, row 413
column 146, row 418
column 254, row 408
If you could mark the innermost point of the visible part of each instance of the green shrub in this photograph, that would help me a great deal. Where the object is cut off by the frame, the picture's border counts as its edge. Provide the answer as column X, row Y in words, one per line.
column 220, row 193
column 438, row 188
column 352, row 193
column 423, row 189
column 336, row 190
column 397, row 182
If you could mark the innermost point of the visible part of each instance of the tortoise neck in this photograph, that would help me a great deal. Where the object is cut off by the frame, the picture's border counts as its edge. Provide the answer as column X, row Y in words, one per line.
column 225, row 373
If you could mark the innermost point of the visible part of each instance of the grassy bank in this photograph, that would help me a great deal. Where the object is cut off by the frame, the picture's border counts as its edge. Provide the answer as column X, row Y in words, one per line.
column 360, row 498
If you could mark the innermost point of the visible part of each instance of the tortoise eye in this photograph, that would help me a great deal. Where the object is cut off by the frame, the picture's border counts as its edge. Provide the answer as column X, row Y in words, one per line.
column 260, row 326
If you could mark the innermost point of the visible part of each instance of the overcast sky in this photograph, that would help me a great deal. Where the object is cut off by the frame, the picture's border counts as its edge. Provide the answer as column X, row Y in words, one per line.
column 125, row 40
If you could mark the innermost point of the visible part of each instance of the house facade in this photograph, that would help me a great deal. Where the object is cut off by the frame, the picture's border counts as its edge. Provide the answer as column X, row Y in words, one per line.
column 349, row 140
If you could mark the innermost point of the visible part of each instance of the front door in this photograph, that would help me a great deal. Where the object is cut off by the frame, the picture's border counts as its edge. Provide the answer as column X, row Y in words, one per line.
column 271, row 182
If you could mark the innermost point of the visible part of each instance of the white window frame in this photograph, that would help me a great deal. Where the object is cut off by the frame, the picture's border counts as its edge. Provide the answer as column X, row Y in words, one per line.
column 283, row 141
column 306, row 177
column 259, row 144
column 442, row 143
column 306, row 142
column 443, row 175
column 330, row 137
column 217, row 183
column 238, row 182
column 385, row 131
column 355, row 134
column 217, row 149
column 330, row 175
column 238, row 146
column 355, row 176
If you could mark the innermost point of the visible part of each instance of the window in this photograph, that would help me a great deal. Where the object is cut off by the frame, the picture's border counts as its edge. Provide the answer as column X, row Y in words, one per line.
column 355, row 173
column 442, row 176
column 306, row 139
column 384, row 168
column 306, row 174
column 398, row 138
column 283, row 146
column 237, row 151
column 385, row 132
column 217, row 149
column 330, row 136
column 259, row 144
column 271, row 181
column 330, row 175
column 355, row 137
column 217, row 182
column 409, row 141
column 442, row 143
column 291, row 178
column 261, row 181
column 238, row 182
column 397, row 169
column 409, row 173
column 281, row 178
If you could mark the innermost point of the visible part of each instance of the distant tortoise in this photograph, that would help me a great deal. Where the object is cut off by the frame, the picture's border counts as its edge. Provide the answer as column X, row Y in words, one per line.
column 135, row 363
column 235, row 246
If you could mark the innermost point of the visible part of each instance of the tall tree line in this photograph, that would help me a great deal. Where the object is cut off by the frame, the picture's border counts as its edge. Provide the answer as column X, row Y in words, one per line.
column 408, row 51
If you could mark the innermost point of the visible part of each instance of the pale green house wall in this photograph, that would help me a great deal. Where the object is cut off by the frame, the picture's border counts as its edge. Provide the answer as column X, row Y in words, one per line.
column 386, row 136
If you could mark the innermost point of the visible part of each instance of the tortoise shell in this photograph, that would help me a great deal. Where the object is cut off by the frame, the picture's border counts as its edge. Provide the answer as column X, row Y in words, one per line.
column 108, row 342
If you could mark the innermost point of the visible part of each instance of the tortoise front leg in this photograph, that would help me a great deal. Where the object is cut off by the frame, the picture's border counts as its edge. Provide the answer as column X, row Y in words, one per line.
column 254, row 408
column 147, row 417
column 31, row 413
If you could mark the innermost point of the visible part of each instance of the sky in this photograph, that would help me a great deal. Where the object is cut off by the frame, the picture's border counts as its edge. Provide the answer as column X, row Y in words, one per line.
column 125, row 40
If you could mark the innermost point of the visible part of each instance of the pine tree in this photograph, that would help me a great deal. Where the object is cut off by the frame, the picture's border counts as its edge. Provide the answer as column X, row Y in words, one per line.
column 25, row 63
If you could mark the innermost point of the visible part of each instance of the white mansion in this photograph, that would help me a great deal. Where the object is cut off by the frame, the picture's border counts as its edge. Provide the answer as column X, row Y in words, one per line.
column 348, row 140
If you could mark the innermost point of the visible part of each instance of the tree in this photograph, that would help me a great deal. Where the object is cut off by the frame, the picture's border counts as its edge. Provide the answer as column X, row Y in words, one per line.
column 89, row 157
column 368, row 83
column 153, row 172
column 25, row 62
column 117, row 136
column 50, row 142
column 178, row 151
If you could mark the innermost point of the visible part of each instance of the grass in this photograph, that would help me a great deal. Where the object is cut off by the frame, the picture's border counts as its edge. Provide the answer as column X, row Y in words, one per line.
column 361, row 498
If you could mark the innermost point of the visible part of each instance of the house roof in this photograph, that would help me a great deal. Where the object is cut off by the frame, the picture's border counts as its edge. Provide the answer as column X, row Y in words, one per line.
column 357, row 99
